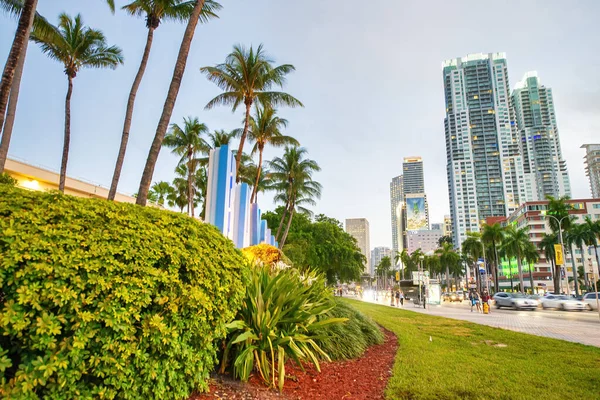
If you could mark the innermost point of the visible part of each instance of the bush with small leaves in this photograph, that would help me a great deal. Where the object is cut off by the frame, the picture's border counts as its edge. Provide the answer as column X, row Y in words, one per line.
column 110, row 300
column 6, row 179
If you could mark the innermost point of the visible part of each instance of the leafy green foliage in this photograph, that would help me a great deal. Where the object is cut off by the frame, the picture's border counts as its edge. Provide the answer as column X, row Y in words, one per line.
column 322, row 245
column 109, row 300
column 350, row 339
column 6, row 179
column 277, row 321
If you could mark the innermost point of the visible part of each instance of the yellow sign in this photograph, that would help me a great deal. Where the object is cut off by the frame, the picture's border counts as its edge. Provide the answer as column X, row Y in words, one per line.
column 559, row 254
column 397, row 276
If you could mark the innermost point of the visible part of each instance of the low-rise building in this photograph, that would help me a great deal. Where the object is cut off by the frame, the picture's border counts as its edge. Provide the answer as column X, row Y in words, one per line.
column 427, row 240
column 37, row 178
column 532, row 215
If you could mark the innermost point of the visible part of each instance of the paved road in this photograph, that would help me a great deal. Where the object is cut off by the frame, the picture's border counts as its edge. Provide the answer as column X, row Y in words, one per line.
column 581, row 327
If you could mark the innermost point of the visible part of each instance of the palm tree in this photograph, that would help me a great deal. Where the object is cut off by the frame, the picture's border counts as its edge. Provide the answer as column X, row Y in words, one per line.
column 593, row 229
column 265, row 128
column 178, row 196
column 448, row 257
column 288, row 174
column 76, row 46
column 515, row 244
column 165, row 117
column 187, row 142
column 559, row 208
column 160, row 191
column 246, row 77
column 473, row 247
column 264, row 183
column 547, row 246
column 301, row 192
column 23, row 10
column 15, row 7
column 384, row 269
column 154, row 12
column 531, row 256
column 578, row 235
column 493, row 235
column 17, row 50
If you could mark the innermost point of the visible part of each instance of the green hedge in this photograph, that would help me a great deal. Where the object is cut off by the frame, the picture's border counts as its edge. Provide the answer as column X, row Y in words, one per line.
column 350, row 339
column 109, row 300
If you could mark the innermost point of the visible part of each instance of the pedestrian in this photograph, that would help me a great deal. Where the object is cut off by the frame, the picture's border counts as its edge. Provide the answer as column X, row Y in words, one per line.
column 397, row 298
column 401, row 298
column 471, row 299
column 485, row 298
column 392, row 297
column 477, row 299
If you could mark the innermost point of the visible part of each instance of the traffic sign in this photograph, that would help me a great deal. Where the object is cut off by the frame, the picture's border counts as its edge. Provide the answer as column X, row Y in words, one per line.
column 558, row 251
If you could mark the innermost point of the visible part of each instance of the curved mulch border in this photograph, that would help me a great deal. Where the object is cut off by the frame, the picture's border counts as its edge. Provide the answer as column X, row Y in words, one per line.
column 362, row 378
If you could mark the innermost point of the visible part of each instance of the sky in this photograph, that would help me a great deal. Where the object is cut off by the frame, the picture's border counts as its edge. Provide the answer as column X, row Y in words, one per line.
column 368, row 73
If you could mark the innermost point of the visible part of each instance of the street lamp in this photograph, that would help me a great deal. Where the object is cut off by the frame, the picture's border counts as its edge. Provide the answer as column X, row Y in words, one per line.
column 562, row 245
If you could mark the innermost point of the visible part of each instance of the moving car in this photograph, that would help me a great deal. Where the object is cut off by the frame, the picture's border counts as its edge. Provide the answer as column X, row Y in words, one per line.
column 562, row 302
column 590, row 300
column 516, row 301
column 460, row 296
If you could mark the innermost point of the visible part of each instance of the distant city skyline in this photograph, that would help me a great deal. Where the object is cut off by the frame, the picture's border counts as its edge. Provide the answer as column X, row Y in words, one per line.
column 359, row 229
column 401, row 107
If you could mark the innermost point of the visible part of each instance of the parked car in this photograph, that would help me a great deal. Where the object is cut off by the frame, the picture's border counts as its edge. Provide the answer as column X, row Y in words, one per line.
column 460, row 296
column 453, row 297
column 445, row 296
column 590, row 300
column 516, row 301
column 562, row 302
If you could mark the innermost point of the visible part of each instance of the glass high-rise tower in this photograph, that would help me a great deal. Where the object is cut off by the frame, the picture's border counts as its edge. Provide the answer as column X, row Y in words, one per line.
column 412, row 170
column 544, row 167
column 484, row 165
column 396, row 203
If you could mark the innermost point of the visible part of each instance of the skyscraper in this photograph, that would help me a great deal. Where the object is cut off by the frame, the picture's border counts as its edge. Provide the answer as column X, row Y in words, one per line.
column 377, row 254
column 447, row 229
column 359, row 229
column 592, row 167
column 484, row 164
column 412, row 170
column 396, row 203
column 543, row 165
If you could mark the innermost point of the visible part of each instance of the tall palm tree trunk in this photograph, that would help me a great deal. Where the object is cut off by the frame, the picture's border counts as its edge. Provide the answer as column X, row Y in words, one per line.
column 253, row 198
column 67, row 140
column 287, row 229
column 12, row 108
column 281, row 222
column 129, row 114
column 17, row 49
column 190, row 185
column 597, row 260
column 575, row 280
column 496, row 269
column 531, row 269
column 165, row 117
column 585, row 277
column 520, row 268
column 238, row 159
column 447, row 278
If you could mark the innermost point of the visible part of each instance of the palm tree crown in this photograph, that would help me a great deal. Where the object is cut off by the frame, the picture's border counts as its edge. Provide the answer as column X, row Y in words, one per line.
column 265, row 128
column 247, row 76
column 188, row 143
column 75, row 46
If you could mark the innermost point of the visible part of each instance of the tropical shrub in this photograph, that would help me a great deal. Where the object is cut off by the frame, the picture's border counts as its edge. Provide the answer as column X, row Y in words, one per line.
column 350, row 339
column 277, row 320
column 6, row 179
column 265, row 254
column 109, row 300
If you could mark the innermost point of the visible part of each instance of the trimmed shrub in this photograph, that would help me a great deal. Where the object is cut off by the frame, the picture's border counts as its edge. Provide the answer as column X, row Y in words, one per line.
column 265, row 254
column 350, row 339
column 110, row 300
column 277, row 320
column 6, row 179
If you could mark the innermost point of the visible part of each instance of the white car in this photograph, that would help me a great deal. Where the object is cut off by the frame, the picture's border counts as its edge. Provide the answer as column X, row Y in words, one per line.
column 590, row 300
column 562, row 302
column 516, row 301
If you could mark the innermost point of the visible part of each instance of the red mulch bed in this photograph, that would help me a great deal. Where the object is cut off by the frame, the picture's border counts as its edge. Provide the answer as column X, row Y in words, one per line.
column 363, row 378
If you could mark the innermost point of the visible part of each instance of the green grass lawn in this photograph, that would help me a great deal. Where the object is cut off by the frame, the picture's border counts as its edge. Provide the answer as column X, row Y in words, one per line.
column 462, row 361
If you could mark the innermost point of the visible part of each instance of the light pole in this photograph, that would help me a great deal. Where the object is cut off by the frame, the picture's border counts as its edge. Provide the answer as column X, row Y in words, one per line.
column 562, row 245
column 421, row 258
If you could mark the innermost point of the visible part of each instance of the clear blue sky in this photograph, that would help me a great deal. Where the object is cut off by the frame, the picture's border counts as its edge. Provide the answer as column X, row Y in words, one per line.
column 369, row 74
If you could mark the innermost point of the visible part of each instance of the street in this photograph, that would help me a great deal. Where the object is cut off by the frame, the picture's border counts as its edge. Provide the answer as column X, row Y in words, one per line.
column 573, row 326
